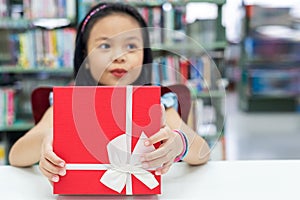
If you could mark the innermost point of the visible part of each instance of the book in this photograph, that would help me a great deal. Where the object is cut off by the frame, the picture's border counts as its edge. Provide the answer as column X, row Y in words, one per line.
column 7, row 106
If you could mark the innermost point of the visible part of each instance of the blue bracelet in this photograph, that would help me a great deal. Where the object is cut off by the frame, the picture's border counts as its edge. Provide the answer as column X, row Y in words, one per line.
column 185, row 146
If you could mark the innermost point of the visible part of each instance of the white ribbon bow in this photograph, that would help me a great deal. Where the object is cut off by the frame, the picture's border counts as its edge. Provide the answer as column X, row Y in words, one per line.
column 119, row 172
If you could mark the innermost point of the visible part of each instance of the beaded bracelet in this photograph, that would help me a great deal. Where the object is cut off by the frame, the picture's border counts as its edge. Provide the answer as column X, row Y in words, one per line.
column 181, row 156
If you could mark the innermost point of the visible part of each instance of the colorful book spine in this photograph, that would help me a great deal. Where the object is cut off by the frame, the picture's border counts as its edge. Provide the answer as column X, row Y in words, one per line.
column 2, row 152
column 195, row 71
column 7, row 106
column 45, row 48
column 10, row 116
column 34, row 9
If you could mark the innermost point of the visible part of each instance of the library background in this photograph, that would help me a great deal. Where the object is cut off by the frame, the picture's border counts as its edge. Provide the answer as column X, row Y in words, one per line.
column 244, row 80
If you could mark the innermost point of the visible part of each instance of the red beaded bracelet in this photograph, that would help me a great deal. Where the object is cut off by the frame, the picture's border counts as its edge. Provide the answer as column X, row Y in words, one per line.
column 181, row 156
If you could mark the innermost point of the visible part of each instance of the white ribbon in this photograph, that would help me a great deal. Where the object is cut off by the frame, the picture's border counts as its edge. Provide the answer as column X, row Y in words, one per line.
column 123, row 163
column 119, row 173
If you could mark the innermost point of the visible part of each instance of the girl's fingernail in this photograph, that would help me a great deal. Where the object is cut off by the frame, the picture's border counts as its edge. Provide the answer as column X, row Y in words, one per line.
column 55, row 178
column 62, row 172
column 147, row 143
column 158, row 173
column 62, row 164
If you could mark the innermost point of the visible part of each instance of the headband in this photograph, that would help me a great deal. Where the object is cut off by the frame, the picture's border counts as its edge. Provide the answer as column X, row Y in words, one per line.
column 90, row 15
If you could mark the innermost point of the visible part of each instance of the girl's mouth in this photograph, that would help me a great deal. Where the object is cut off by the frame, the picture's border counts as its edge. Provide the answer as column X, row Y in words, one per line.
column 118, row 72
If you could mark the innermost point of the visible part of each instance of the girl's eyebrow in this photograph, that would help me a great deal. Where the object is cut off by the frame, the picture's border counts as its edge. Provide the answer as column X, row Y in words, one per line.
column 109, row 39
column 133, row 38
column 101, row 38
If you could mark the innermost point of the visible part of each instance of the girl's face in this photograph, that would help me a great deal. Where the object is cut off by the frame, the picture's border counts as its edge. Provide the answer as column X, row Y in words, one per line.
column 115, row 50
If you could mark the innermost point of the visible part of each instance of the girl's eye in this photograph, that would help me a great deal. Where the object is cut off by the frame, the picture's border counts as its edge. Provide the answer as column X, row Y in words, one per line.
column 132, row 47
column 104, row 46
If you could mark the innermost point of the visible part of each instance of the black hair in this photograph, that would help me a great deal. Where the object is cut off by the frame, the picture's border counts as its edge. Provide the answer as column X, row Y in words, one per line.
column 98, row 12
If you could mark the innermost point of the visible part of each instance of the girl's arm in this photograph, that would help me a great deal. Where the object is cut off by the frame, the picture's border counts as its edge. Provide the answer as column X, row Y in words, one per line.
column 198, row 150
column 27, row 150
column 172, row 144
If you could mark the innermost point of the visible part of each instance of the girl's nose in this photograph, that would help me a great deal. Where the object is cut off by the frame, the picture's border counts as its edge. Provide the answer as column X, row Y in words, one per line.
column 120, row 56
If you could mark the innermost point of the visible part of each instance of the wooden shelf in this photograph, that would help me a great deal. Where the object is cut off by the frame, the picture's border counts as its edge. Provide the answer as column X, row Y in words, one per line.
column 190, row 47
column 184, row 48
column 19, row 125
column 8, row 23
column 40, row 69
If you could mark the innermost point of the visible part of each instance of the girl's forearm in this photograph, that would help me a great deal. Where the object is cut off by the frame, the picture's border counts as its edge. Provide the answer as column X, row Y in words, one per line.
column 198, row 149
column 27, row 150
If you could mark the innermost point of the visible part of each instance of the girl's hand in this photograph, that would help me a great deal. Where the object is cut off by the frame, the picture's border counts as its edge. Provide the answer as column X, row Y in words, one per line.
column 50, row 164
column 163, row 157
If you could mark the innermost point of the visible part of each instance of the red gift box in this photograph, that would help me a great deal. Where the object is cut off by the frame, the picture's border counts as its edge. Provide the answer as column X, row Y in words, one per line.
column 99, row 132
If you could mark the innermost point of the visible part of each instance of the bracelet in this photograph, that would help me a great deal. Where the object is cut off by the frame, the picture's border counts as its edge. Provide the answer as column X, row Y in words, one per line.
column 181, row 156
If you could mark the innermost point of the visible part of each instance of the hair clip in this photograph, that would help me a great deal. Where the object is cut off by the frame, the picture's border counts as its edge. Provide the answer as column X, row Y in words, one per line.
column 90, row 15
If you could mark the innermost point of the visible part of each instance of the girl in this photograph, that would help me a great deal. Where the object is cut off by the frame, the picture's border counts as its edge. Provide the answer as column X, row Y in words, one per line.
column 116, row 41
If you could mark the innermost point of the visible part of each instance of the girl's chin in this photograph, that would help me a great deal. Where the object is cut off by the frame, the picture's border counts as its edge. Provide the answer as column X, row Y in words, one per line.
column 112, row 80
column 116, row 83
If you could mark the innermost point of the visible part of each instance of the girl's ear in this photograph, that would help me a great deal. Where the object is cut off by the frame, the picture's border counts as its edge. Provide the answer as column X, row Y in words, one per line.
column 87, row 66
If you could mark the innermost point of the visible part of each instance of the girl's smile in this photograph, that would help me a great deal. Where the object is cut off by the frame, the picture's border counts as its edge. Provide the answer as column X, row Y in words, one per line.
column 118, row 73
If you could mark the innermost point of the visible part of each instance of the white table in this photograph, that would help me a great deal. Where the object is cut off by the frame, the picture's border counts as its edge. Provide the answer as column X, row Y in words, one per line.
column 240, row 180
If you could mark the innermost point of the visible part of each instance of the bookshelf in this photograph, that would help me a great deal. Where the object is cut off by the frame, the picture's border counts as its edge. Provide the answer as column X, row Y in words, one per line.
column 36, row 48
column 270, row 61
column 36, row 44
column 39, row 69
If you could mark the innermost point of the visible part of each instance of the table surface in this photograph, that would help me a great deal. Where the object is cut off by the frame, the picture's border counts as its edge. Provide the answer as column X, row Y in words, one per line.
column 272, row 179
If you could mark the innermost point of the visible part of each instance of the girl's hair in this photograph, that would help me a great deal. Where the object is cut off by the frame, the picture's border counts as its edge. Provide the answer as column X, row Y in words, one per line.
column 98, row 12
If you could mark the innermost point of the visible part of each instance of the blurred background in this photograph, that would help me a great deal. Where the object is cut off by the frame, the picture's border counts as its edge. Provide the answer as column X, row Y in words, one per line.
column 263, row 120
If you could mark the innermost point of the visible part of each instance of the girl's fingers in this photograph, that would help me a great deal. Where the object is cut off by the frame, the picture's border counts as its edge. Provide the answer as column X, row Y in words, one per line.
column 162, row 151
column 161, row 135
column 54, row 159
column 52, row 168
column 163, row 116
column 159, row 161
column 164, row 169
column 48, row 153
column 51, row 177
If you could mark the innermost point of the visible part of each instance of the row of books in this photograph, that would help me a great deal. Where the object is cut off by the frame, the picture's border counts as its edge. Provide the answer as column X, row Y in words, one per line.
column 271, row 33
column 205, row 118
column 197, row 72
column 271, row 48
column 55, row 8
column 32, row 9
column 157, row 17
column 273, row 44
column 274, row 82
column 7, row 106
column 47, row 48
column 169, row 19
